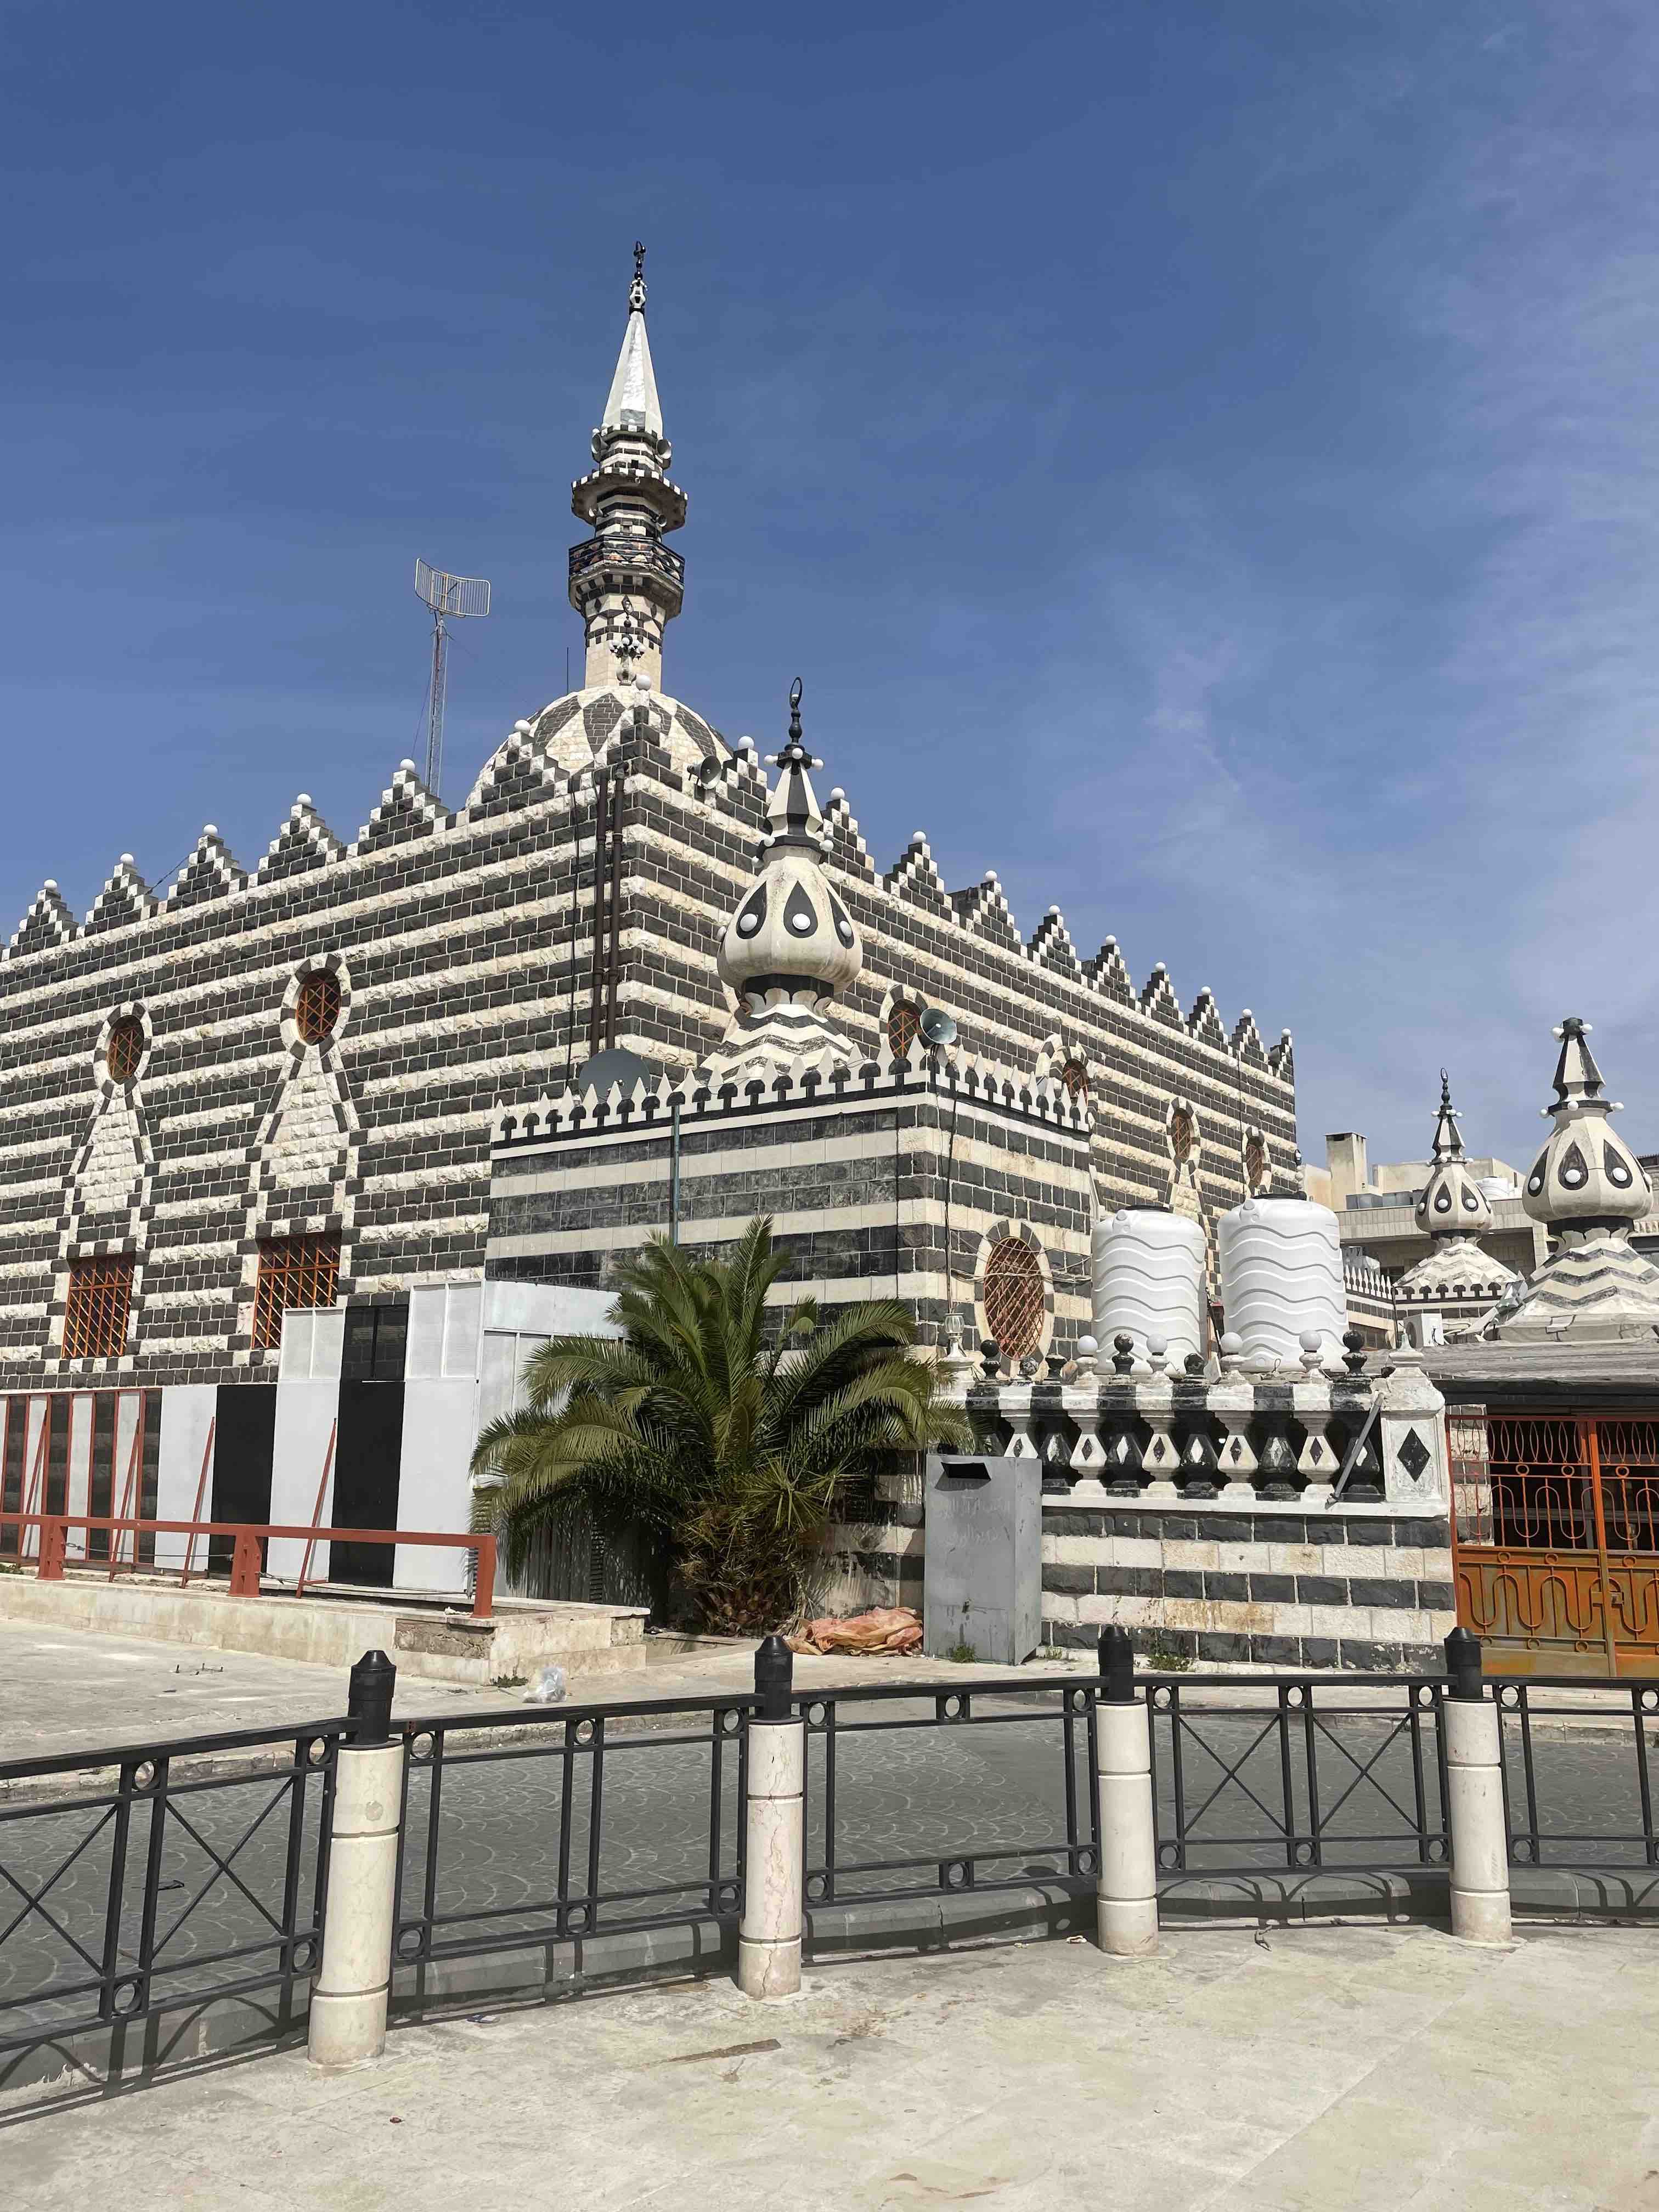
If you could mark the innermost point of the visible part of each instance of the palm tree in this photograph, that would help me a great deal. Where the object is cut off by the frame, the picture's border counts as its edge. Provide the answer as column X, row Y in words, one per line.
column 724, row 1442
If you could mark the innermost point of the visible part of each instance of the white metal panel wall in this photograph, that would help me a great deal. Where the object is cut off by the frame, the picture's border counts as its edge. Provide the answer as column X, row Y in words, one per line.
column 129, row 1462
column 468, row 1342
column 441, row 1425
column 187, row 1414
column 78, row 1491
column 35, row 1468
column 305, row 1415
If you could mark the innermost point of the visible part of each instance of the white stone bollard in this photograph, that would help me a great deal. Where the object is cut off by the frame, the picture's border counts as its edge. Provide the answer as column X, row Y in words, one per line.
column 348, row 1997
column 1474, row 1800
column 1126, row 1890
column 769, row 1935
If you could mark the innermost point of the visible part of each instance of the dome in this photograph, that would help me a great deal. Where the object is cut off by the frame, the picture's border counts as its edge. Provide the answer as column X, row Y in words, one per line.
column 1457, row 1268
column 574, row 733
column 1453, row 1203
column 791, row 934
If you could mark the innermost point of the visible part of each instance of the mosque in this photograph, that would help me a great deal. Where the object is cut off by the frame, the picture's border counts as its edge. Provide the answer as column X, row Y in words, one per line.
column 372, row 1116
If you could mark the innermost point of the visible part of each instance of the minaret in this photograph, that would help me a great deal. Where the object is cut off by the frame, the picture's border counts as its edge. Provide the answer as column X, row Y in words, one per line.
column 1453, row 1203
column 1589, row 1187
column 624, row 582
column 1457, row 1278
column 1586, row 1182
column 790, row 944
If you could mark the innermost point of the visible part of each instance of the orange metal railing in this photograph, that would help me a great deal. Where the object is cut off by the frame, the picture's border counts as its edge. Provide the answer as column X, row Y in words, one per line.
column 249, row 1539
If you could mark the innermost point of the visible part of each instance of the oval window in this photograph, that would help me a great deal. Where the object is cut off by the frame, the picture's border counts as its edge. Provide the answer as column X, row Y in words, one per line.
column 317, row 1009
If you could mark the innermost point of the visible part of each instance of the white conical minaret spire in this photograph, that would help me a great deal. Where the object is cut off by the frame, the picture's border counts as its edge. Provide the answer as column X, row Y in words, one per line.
column 633, row 403
column 625, row 583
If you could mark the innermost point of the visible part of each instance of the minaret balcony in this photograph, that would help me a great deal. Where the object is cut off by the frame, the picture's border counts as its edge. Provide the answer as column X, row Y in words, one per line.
column 665, row 499
column 627, row 564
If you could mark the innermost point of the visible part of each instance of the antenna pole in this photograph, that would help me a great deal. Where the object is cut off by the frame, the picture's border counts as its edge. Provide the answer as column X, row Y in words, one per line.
column 445, row 594
column 434, row 734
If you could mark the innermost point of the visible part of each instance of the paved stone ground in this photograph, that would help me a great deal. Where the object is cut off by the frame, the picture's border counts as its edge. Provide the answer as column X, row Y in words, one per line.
column 1368, row 2070
column 69, row 1690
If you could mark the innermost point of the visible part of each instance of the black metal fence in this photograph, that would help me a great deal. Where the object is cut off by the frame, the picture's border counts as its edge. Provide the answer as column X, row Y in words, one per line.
column 1577, row 1803
column 1294, row 1777
column 610, row 1821
column 137, row 1880
column 868, row 1791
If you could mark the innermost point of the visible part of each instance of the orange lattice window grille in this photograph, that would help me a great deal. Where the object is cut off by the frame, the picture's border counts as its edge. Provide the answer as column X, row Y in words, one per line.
column 100, row 1300
column 124, row 1048
column 903, row 1027
column 317, row 1009
column 1075, row 1076
column 1182, row 1133
column 296, row 1273
column 1256, row 1164
column 1013, row 1299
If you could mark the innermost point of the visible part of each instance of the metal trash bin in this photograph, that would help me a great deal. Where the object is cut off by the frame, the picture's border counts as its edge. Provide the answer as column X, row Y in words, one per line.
column 982, row 1577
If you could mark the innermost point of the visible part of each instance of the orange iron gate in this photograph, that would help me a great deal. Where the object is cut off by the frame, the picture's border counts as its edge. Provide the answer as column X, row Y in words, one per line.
column 1555, row 1523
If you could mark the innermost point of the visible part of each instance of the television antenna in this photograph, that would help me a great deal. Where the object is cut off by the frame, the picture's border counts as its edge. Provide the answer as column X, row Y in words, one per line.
column 451, row 599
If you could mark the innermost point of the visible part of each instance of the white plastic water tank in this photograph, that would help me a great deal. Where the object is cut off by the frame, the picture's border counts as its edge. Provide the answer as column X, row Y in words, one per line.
column 1149, row 1281
column 1281, row 1277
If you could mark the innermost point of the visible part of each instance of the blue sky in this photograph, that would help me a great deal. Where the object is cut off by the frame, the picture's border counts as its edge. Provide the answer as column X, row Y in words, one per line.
column 1201, row 458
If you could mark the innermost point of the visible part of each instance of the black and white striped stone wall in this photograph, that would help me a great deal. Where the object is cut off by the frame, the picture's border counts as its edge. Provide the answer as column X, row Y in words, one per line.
column 1367, row 1587
column 463, row 944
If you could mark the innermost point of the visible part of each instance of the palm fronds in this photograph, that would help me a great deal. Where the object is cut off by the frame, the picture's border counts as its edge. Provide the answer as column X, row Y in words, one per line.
column 721, row 1427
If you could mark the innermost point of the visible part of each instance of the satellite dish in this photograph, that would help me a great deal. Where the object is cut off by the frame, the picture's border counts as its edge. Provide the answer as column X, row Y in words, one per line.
column 937, row 1027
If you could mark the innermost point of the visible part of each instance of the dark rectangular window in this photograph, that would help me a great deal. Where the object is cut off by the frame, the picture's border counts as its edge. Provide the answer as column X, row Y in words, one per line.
column 149, row 1470
column 296, row 1273
column 102, row 1492
column 56, row 1498
column 375, row 1339
column 95, row 1318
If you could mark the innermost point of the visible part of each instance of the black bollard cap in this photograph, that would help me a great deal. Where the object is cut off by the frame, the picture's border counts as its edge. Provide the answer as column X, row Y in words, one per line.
column 368, row 1699
column 1117, row 1667
column 1463, row 1663
column 775, row 1671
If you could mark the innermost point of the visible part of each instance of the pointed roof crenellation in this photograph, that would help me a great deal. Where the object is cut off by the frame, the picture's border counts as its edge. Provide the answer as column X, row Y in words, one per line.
column 125, row 898
column 210, row 872
column 47, row 924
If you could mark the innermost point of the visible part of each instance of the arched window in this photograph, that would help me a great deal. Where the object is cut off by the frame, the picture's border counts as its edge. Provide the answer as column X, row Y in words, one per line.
column 124, row 1048
column 1075, row 1076
column 903, row 1027
column 1013, row 1298
column 1255, row 1161
column 1181, row 1135
column 317, row 1009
